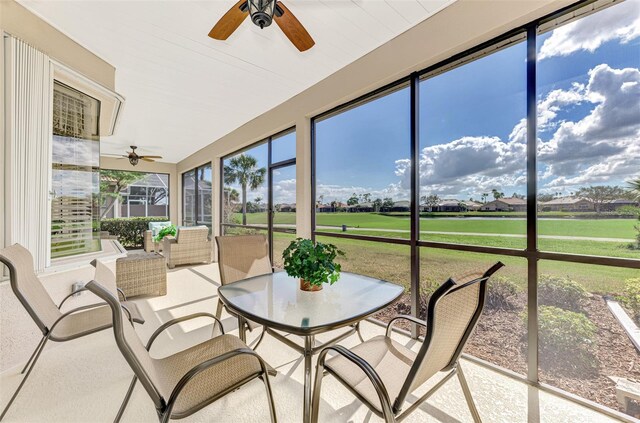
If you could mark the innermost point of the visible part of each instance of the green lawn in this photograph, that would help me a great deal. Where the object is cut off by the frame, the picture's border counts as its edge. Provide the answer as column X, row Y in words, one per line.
column 391, row 262
column 598, row 228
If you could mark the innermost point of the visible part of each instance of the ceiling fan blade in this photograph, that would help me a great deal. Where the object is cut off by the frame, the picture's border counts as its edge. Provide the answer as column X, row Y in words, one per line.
column 292, row 28
column 230, row 21
column 151, row 157
column 146, row 159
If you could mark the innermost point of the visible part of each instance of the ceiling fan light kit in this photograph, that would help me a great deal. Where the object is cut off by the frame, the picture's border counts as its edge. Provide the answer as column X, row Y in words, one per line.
column 263, row 13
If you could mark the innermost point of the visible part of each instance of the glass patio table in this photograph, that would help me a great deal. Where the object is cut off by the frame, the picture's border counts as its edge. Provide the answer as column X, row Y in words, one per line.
column 276, row 301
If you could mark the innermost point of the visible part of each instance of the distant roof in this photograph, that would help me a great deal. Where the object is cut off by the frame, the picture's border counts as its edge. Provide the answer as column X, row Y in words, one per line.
column 402, row 203
column 511, row 200
column 564, row 200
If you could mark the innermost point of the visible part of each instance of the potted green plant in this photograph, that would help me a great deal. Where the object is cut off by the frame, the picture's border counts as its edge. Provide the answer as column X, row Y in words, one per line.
column 167, row 230
column 312, row 262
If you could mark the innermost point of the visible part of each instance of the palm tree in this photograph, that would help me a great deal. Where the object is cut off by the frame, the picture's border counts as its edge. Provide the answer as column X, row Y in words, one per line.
column 634, row 187
column 244, row 170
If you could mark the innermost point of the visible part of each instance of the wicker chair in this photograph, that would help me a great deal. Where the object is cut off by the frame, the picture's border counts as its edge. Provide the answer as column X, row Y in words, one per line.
column 190, row 245
column 56, row 325
column 241, row 257
column 382, row 372
column 183, row 383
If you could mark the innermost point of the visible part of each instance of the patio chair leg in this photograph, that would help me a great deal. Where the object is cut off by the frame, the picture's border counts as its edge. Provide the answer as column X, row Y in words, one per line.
column 317, row 386
column 467, row 395
column 33, row 364
column 32, row 355
column 359, row 333
column 272, row 407
column 126, row 399
column 255, row 347
column 219, row 309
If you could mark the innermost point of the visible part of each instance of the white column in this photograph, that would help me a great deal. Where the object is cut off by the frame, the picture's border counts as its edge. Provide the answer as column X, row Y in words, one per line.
column 29, row 96
column 303, row 178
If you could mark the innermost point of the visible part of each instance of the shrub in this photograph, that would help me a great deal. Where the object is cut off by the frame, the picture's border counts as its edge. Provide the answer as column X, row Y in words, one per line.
column 566, row 339
column 501, row 293
column 130, row 231
column 631, row 296
column 560, row 292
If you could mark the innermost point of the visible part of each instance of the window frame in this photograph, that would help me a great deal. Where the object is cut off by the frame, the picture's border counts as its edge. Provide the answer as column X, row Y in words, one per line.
column 196, row 171
column 527, row 33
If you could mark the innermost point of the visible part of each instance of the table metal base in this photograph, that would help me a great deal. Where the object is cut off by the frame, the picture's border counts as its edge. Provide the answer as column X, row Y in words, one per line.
column 308, row 350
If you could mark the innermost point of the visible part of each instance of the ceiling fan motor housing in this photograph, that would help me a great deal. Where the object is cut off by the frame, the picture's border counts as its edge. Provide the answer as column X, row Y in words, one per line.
column 262, row 12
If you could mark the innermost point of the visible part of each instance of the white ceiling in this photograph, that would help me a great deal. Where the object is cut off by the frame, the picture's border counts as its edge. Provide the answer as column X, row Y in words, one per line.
column 185, row 90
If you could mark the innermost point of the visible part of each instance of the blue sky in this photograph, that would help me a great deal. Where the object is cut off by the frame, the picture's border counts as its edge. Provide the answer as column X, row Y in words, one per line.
column 472, row 120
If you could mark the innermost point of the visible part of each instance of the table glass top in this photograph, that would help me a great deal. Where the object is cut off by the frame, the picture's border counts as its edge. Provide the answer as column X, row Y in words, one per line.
column 276, row 300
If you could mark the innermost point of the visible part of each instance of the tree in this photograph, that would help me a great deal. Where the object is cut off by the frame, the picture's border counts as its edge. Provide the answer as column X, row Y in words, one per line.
column 516, row 195
column 430, row 201
column 353, row 200
column 484, row 197
column 387, row 203
column 600, row 194
column 319, row 201
column 244, row 170
column 113, row 182
column 377, row 204
column 497, row 194
column 543, row 198
column 634, row 187
column 365, row 197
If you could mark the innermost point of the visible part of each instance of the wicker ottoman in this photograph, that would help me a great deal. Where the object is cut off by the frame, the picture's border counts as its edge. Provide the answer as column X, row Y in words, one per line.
column 142, row 274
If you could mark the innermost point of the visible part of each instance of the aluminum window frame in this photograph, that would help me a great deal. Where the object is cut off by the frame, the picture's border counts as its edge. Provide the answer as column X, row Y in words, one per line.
column 527, row 33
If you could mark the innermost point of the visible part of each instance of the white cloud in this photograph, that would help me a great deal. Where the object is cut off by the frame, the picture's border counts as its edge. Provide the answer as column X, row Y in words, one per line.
column 604, row 144
column 619, row 22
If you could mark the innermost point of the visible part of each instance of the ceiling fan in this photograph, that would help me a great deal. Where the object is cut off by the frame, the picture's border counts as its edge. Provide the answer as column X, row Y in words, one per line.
column 134, row 158
column 263, row 12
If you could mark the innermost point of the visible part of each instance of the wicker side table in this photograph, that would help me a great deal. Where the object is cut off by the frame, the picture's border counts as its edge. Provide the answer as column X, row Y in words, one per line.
column 142, row 274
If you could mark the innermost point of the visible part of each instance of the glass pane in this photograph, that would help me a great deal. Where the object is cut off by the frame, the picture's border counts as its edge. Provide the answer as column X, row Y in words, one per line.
column 501, row 335
column 389, row 262
column 75, row 207
column 245, row 187
column 189, row 198
column 362, row 158
column 583, row 346
column 281, row 241
column 284, row 198
column 588, row 120
column 283, row 147
column 204, row 196
column 473, row 152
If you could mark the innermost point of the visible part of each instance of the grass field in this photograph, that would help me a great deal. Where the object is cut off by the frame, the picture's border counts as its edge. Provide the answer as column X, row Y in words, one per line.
column 597, row 228
column 391, row 262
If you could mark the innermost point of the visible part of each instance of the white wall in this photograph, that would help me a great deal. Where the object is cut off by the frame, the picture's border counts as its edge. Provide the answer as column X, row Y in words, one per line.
column 18, row 334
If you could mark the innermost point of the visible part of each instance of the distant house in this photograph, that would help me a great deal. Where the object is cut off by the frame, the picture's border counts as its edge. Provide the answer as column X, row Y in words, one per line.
column 614, row 205
column 569, row 204
column 325, row 208
column 456, row 206
column 506, row 204
column 401, row 206
column 361, row 208
column 288, row 208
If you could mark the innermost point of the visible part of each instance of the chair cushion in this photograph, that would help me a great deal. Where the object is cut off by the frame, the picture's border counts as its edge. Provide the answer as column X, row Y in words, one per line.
column 209, row 383
column 155, row 227
column 390, row 359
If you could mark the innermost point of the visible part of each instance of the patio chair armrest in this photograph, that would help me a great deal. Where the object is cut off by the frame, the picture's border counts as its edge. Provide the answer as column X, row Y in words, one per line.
column 206, row 365
column 124, row 297
column 405, row 317
column 75, row 310
column 169, row 239
column 366, row 368
column 172, row 322
column 69, row 296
